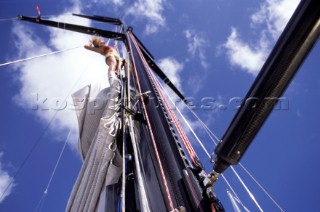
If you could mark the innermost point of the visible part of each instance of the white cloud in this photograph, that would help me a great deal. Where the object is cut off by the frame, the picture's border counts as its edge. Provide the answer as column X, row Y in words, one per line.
column 272, row 17
column 56, row 77
column 106, row 2
column 118, row 2
column 151, row 10
column 172, row 68
column 6, row 182
column 196, row 46
column 275, row 14
column 242, row 54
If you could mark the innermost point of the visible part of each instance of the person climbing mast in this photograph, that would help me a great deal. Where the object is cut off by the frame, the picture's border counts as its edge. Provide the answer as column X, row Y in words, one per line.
column 113, row 59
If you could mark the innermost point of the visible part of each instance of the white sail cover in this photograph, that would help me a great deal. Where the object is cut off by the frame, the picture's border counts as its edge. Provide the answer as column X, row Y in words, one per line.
column 99, row 123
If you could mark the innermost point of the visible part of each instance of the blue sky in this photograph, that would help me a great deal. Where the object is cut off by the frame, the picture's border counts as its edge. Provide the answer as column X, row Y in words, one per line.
column 211, row 49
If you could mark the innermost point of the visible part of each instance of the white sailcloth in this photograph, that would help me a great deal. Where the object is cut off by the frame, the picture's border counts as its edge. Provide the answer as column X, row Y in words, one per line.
column 99, row 123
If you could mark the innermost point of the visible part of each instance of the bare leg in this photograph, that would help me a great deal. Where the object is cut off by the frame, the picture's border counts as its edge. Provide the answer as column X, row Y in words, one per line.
column 112, row 63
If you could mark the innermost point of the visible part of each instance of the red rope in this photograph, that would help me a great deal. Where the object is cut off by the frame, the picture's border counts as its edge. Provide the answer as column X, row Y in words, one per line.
column 177, row 124
column 150, row 130
column 213, row 209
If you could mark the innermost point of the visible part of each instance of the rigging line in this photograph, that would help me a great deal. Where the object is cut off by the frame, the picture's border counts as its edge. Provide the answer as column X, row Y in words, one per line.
column 234, row 171
column 233, row 191
column 39, row 139
column 183, row 135
column 150, row 129
column 57, row 163
column 8, row 19
column 143, row 195
column 199, row 141
column 215, row 140
column 41, row 202
column 239, row 178
column 261, row 187
column 234, row 201
column 124, row 159
column 185, row 120
column 246, row 188
column 30, row 152
column 38, row 56
column 151, row 132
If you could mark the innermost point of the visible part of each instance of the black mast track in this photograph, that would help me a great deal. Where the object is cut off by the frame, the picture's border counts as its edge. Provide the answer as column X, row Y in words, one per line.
column 75, row 28
column 294, row 44
column 168, row 146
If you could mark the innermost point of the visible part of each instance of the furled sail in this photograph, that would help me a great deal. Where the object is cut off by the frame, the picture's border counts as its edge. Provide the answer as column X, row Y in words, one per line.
column 99, row 125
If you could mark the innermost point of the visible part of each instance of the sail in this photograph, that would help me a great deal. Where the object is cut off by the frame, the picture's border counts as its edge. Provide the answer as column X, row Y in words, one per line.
column 99, row 124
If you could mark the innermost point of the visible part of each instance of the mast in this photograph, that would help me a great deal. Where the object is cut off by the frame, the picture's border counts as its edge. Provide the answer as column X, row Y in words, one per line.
column 167, row 179
column 150, row 139
column 162, row 156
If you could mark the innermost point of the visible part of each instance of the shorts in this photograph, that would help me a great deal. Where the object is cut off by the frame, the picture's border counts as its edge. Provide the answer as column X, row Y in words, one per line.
column 114, row 54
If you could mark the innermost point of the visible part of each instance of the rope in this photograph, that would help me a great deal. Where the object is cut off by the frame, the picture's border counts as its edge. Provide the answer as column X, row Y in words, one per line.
column 38, row 56
column 192, row 153
column 150, row 129
column 215, row 140
column 38, row 139
column 187, row 123
column 8, row 19
column 143, row 195
column 181, row 132
column 261, row 187
column 234, row 171
column 234, row 201
column 57, row 163
column 203, row 147
column 124, row 159
column 41, row 202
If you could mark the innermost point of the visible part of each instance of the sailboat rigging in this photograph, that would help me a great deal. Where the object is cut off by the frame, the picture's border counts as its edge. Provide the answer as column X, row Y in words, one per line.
column 157, row 174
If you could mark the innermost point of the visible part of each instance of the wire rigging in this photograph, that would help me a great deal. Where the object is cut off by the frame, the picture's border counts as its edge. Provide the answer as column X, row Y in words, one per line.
column 181, row 132
column 34, row 146
column 215, row 139
column 41, row 202
column 210, row 133
column 8, row 19
column 38, row 56
column 233, row 170
column 201, row 144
